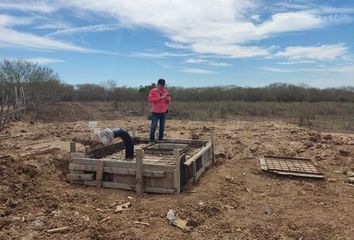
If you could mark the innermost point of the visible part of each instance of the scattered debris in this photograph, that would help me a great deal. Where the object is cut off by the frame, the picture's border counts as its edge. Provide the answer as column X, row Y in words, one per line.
column 39, row 152
column 142, row 223
column 123, row 207
column 229, row 178
column 181, row 224
column 55, row 230
column 105, row 219
column 332, row 180
column 300, row 167
column 171, row 215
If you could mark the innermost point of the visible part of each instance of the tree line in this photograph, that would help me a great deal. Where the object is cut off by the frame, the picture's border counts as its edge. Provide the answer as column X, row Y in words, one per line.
column 43, row 85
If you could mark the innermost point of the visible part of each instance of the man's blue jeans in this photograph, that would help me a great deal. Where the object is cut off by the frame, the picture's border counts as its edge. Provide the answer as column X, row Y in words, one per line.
column 155, row 117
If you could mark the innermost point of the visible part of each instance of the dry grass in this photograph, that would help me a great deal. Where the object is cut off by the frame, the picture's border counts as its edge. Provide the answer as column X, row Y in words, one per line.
column 331, row 116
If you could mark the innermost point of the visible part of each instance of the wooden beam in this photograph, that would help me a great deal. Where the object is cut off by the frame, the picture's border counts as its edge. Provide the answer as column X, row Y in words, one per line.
column 197, row 155
column 177, row 173
column 72, row 147
column 158, row 190
column 121, row 164
column 75, row 177
column 99, row 173
column 139, row 171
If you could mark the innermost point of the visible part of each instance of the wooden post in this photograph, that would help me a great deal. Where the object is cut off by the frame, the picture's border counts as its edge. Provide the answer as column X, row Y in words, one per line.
column 72, row 147
column 87, row 150
column 139, row 171
column 99, row 173
column 194, row 167
column 177, row 173
column 212, row 147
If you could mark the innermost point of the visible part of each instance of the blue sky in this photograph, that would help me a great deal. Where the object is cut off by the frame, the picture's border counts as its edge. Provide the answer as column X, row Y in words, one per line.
column 189, row 43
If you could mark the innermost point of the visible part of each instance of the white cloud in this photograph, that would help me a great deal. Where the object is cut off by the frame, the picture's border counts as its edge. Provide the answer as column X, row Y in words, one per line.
column 13, row 38
column 43, row 60
column 28, row 6
column 338, row 69
column 206, row 61
column 7, row 20
column 275, row 70
column 318, row 53
column 219, row 64
column 204, row 26
column 159, row 54
column 197, row 71
column 196, row 60
column 85, row 29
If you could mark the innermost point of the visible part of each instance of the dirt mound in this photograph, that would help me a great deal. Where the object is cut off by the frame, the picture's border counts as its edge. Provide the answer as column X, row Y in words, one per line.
column 65, row 111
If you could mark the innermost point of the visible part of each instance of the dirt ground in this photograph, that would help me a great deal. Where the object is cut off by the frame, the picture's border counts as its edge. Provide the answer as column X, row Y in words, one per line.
column 233, row 200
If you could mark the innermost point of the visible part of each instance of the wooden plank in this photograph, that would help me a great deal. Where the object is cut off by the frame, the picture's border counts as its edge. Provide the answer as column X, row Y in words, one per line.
column 158, row 190
column 212, row 147
column 194, row 171
column 120, row 164
column 154, row 174
column 139, row 171
column 146, row 173
column 99, row 173
column 299, row 174
column 177, row 174
column 263, row 164
column 199, row 173
column 77, row 182
column 118, row 185
column 72, row 147
column 77, row 155
column 197, row 155
column 183, row 141
column 74, row 177
column 122, row 171
column 78, row 167
column 104, row 151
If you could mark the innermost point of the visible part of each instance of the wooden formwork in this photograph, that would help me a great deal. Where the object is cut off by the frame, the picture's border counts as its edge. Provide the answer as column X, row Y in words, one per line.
column 165, row 167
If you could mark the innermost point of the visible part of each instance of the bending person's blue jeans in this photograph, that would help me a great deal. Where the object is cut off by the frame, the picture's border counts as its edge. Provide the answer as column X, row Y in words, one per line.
column 155, row 118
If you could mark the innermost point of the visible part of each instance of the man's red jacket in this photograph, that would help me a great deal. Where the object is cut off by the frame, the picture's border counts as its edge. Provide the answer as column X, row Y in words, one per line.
column 159, row 105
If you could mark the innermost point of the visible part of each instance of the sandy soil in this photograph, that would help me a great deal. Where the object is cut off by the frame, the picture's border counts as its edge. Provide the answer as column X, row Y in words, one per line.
column 233, row 200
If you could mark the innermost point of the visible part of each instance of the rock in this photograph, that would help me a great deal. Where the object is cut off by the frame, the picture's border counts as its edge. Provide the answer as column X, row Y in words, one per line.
column 327, row 137
column 332, row 180
column 253, row 148
column 344, row 152
column 351, row 180
column 206, row 129
column 195, row 136
column 229, row 178
column 318, row 145
column 267, row 210
column 308, row 144
column 350, row 174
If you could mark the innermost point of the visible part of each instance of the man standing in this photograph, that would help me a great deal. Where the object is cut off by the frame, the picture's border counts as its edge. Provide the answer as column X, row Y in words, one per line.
column 159, row 99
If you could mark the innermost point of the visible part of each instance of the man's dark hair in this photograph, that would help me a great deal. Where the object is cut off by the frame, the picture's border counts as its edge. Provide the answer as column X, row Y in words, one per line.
column 161, row 81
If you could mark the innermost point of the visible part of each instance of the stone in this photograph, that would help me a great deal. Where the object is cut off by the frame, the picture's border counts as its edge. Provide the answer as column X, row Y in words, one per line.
column 344, row 152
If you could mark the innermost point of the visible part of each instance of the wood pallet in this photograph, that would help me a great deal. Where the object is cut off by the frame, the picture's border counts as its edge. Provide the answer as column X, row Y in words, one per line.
column 299, row 167
column 151, row 170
